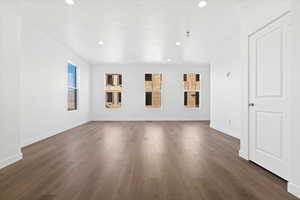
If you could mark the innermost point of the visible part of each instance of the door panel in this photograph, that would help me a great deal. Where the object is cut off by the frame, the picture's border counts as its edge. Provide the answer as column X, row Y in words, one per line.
column 269, row 63
column 266, row 129
column 268, row 97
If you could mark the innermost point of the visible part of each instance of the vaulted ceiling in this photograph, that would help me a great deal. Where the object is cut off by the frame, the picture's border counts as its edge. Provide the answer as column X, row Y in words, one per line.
column 135, row 31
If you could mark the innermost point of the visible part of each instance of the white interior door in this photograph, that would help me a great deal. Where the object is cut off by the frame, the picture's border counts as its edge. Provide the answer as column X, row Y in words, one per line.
column 268, row 97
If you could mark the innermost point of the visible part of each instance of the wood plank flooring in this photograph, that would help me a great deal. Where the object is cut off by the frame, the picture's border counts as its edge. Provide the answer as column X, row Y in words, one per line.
column 138, row 161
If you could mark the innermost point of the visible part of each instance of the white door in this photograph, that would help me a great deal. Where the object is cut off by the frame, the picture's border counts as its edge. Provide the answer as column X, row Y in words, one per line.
column 268, row 97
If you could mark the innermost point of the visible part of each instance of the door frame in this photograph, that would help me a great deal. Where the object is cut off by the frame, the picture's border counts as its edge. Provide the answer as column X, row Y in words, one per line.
column 244, row 151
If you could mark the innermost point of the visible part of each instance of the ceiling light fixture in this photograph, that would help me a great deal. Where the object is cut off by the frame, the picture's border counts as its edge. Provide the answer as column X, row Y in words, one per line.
column 178, row 43
column 100, row 42
column 202, row 4
column 70, row 2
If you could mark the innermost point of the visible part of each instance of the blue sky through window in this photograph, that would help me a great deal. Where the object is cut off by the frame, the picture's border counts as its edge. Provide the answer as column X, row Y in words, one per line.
column 71, row 76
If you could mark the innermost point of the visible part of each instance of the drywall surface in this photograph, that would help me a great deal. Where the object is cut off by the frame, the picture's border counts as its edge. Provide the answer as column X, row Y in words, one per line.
column 44, row 87
column 226, row 90
column 133, row 99
column 10, row 150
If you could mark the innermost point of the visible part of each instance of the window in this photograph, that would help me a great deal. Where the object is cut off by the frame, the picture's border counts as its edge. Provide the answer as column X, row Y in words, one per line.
column 192, row 90
column 197, row 100
column 197, row 77
column 109, row 80
column 113, row 99
column 72, row 87
column 191, row 82
column 114, row 80
column 148, row 77
column 153, row 90
column 120, row 80
column 191, row 99
column 148, row 98
column 119, row 97
column 109, row 97
column 113, row 90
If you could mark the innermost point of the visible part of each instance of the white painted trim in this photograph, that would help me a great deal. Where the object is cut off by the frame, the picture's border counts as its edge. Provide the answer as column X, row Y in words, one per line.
column 11, row 160
column 52, row 133
column 223, row 130
column 242, row 154
column 49, row 134
column 244, row 144
column 294, row 189
column 151, row 120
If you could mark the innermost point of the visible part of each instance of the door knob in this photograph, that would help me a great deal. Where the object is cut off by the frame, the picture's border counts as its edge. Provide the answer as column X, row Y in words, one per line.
column 251, row 104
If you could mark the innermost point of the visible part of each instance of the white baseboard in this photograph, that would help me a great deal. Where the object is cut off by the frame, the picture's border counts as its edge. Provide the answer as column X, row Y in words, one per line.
column 294, row 189
column 47, row 135
column 11, row 160
column 149, row 120
column 223, row 130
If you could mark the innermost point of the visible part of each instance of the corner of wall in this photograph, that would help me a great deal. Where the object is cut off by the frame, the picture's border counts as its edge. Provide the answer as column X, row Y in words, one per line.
column 10, row 85
column 224, row 130
column 294, row 189
column 90, row 111
column 50, row 134
column 243, row 154
column 11, row 160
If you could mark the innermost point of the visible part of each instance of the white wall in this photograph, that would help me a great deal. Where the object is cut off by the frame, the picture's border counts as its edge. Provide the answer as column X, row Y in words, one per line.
column 133, row 103
column 257, row 13
column 294, row 184
column 44, row 87
column 9, row 84
column 226, row 92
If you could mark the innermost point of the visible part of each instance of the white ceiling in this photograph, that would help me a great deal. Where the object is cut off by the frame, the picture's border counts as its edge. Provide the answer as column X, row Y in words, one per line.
column 135, row 31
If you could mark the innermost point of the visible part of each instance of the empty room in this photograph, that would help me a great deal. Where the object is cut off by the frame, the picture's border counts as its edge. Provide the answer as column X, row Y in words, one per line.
column 149, row 99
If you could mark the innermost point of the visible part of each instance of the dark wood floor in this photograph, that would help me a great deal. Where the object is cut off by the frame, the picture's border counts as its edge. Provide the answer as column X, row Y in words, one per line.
column 138, row 161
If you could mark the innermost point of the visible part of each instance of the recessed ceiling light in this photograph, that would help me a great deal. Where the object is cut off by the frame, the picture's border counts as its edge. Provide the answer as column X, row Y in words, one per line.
column 178, row 43
column 100, row 42
column 169, row 59
column 202, row 4
column 70, row 2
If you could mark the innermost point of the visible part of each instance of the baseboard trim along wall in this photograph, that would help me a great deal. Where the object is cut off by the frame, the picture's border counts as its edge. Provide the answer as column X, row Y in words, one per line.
column 242, row 154
column 49, row 134
column 11, row 160
column 294, row 189
column 151, row 120
column 53, row 133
